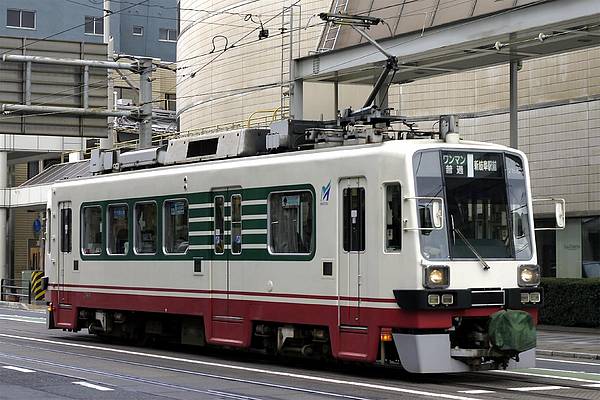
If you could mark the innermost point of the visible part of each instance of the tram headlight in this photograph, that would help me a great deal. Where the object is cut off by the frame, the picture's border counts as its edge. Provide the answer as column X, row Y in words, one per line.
column 436, row 276
column 529, row 275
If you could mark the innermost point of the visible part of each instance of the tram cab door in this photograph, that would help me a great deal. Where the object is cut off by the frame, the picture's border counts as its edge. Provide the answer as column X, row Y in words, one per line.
column 64, row 260
column 352, row 248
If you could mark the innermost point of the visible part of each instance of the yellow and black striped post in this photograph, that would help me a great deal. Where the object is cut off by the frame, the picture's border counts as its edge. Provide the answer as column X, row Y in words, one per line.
column 37, row 291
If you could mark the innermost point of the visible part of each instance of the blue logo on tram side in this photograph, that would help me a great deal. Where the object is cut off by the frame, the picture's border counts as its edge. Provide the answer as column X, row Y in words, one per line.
column 325, row 192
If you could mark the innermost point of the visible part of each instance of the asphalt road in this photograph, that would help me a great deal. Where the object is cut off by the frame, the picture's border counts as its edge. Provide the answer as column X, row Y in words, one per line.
column 36, row 363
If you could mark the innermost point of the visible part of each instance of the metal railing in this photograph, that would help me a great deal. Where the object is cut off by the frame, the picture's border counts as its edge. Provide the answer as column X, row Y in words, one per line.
column 15, row 288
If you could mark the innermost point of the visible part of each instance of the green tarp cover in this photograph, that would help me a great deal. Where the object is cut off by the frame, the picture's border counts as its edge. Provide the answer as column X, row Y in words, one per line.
column 512, row 330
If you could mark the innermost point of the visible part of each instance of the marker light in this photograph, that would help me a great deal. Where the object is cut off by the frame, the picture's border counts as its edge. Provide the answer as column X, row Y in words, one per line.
column 535, row 297
column 529, row 275
column 386, row 335
column 447, row 299
column 433, row 299
column 525, row 298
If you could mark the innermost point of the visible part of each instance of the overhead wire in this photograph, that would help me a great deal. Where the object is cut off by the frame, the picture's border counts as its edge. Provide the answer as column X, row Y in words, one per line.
column 226, row 48
column 215, row 12
column 193, row 73
column 147, row 16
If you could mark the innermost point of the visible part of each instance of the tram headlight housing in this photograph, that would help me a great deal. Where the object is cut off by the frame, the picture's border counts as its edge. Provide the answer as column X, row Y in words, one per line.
column 528, row 275
column 436, row 276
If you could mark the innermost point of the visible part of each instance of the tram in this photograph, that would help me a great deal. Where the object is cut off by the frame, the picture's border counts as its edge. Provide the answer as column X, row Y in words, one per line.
column 362, row 244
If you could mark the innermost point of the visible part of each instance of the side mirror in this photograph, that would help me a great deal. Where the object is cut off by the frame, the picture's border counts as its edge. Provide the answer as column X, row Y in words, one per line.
column 430, row 212
column 437, row 208
column 559, row 213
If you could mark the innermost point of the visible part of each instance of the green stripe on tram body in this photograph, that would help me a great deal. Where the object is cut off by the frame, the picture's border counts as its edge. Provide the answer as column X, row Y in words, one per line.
column 200, row 205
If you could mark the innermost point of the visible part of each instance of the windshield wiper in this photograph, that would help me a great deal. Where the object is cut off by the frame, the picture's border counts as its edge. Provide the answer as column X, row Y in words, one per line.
column 485, row 265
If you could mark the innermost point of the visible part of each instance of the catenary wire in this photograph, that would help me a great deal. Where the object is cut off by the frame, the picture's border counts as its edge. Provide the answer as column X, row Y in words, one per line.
column 193, row 74
column 162, row 18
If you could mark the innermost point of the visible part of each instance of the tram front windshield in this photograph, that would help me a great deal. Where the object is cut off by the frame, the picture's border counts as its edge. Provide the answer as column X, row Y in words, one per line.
column 486, row 205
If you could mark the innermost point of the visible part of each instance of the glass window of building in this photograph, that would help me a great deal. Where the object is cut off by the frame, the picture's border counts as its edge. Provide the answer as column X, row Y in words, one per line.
column 176, row 236
column 118, row 229
column 167, row 35
column 145, row 228
column 91, row 230
column 33, row 168
column 94, row 25
column 291, row 222
column 590, row 246
column 170, row 101
column 138, row 30
column 20, row 19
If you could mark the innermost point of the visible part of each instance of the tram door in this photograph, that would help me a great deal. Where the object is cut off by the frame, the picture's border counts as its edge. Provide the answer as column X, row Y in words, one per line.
column 65, row 247
column 352, row 251
column 226, row 244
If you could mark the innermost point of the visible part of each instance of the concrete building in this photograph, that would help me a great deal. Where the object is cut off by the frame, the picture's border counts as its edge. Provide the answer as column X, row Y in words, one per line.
column 149, row 29
column 216, row 87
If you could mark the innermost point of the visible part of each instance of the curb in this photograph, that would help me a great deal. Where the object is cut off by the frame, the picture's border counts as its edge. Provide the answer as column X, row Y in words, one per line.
column 22, row 306
column 568, row 354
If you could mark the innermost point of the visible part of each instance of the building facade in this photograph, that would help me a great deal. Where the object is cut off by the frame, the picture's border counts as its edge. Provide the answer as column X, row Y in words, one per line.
column 226, row 72
column 149, row 29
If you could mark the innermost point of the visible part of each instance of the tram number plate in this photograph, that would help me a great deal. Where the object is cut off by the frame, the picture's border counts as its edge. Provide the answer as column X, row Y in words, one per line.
column 472, row 165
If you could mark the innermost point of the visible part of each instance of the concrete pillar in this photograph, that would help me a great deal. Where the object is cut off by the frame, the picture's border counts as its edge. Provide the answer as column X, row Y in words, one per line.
column 514, row 104
column 109, row 142
column 297, row 100
column 568, row 250
column 336, row 98
column 4, row 272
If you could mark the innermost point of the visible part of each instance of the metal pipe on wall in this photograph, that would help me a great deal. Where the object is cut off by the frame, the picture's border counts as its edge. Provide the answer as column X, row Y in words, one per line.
column 4, row 272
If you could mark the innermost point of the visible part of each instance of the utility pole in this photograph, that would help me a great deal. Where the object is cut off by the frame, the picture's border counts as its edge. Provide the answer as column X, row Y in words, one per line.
column 109, row 142
column 145, row 110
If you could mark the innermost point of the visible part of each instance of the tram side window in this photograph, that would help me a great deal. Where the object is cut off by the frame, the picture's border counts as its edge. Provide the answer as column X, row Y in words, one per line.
column 291, row 222
column 393, row 217
column 176, row 235
column 66, row 223
column 236, row 224
column 354, row 219
column 118, row 229
column 91, row 230
column 145, row 228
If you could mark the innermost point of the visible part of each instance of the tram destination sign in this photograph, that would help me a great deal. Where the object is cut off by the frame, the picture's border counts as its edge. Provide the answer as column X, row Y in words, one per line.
column 472, row 165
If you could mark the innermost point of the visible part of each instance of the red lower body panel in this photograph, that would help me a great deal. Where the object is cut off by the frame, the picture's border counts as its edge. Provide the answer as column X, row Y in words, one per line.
column 235, row 327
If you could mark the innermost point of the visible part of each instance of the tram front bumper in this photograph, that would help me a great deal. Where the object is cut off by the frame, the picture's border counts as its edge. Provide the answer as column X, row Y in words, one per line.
column 513, row 298
column 432, row 353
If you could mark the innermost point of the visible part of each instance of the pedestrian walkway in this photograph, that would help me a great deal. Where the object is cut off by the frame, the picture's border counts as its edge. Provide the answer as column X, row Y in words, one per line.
column 569, row 341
